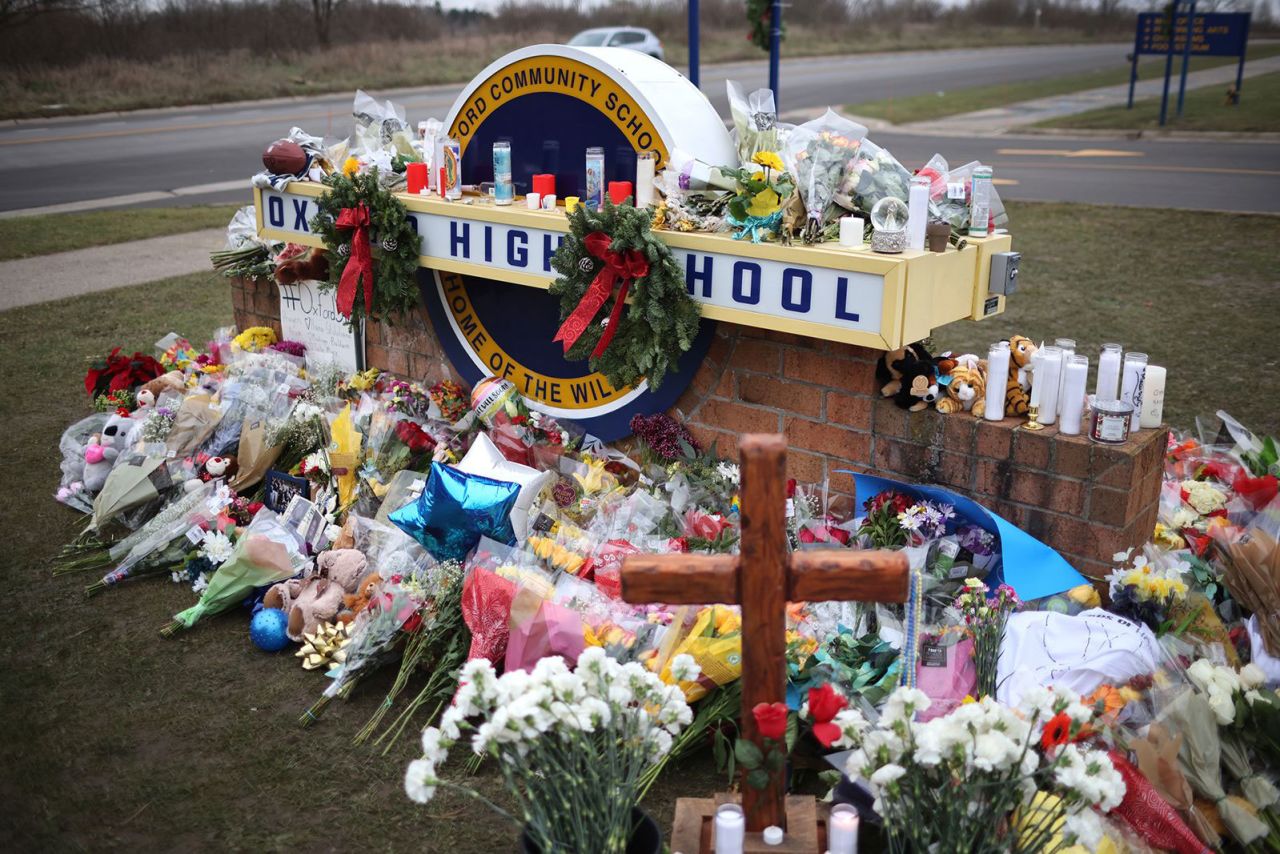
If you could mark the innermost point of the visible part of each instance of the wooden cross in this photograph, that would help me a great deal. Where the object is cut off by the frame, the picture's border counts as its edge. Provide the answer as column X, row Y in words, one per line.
column 762, row 578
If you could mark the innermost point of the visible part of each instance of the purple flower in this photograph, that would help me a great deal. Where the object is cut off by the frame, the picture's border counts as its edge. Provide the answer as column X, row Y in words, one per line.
column 664, row 435
column 291, row 348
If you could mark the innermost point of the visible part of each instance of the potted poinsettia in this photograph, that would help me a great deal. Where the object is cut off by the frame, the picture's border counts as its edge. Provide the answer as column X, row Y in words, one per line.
column 573, row 747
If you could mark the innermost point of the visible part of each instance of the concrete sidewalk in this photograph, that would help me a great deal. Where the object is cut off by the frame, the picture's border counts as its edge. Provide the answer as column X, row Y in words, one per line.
column 100, row 268
column 1014, row 116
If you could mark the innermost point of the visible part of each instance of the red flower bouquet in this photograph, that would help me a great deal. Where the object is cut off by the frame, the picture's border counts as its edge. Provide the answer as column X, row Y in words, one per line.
column 117, row 372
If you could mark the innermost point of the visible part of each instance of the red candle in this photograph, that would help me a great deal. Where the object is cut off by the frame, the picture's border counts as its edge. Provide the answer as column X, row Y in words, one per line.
column 618, row 191
column 416, row 176
column 544, row 184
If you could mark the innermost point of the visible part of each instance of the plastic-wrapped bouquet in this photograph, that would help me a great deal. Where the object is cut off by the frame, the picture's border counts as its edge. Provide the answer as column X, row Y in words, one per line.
column 985, row 620
column 1144, row 590
column 1020, row 776
column 601, row 726
column 819, row 154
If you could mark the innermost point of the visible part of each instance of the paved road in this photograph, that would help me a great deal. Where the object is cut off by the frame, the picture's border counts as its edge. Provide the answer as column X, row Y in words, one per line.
column 203, row 154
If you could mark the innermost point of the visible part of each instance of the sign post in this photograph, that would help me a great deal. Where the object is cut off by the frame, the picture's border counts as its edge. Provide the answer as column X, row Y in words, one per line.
column 693, row 42
column 775, row 49
column 1191, row 34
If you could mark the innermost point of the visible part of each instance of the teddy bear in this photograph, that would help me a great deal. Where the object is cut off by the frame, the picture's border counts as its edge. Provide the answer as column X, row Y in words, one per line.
column 98, row 462
column 316, row 599
column 354, row 603
column 172, row 381
column 965, row 387
column 115, row 433
column 305, row 265
column 1017, row 394
column 212, row 469
column 909, row 377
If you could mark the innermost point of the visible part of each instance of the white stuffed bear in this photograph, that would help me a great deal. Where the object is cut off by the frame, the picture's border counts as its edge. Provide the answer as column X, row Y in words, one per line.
column 115, row 433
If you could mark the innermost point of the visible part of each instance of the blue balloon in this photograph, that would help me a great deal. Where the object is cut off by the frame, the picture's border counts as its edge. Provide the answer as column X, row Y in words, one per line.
column 456, row 509
column 267, row 630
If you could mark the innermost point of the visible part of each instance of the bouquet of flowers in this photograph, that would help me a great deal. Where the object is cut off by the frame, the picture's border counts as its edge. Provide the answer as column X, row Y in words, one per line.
column 985, row 620
column 572, row 746
column 872, row 175
column 881, row 527
column 1146, row 591
column 117, row 372
column 818, row 154
column 985, row 778
column 762, row 188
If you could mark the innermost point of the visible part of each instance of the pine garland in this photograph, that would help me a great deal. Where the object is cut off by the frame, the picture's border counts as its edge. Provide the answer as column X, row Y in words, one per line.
column 760, row 17
column 661, row 321
column 392, row 238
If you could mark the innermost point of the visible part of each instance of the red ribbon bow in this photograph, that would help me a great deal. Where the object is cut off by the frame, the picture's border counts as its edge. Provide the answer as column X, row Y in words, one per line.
column 360, row 264
column 617, row 265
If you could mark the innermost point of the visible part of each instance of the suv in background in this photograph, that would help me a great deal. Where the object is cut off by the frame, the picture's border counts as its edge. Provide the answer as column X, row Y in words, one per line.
column 633, row 38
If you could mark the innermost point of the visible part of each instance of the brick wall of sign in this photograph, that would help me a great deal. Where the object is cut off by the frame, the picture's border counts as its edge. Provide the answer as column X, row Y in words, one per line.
column 1089, row 501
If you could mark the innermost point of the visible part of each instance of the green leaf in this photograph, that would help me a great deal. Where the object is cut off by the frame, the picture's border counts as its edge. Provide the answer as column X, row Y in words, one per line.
column 774, row 760
column 758, row 779
column 747, row 754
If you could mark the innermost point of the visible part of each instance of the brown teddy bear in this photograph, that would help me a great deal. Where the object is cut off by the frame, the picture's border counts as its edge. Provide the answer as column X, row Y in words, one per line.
column 353, row 604
column 308, row 602
column 303, row 266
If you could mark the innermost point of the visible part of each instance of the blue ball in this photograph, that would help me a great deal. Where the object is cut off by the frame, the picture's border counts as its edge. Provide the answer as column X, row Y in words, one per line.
column 267, row 630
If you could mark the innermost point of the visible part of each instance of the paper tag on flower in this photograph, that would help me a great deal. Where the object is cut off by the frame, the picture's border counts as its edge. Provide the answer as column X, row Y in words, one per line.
column 543, row 524
column 195, row 534
column 955, row 190
column 933, row 655
column 791, row 508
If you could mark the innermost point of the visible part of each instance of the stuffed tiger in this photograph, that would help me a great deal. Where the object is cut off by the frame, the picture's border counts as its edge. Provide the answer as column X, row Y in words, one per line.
column 1017, row 397
column 966, row 391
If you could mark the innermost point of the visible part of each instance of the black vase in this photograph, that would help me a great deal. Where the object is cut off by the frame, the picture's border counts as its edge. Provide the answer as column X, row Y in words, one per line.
column 646, row 837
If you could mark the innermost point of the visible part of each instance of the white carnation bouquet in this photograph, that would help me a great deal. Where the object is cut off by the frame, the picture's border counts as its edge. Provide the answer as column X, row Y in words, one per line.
column 572, row 746
column 985, row 778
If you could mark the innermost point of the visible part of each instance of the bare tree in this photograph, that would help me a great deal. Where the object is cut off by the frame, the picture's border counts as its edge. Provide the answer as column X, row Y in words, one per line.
column 322, row 14
column 14, row 13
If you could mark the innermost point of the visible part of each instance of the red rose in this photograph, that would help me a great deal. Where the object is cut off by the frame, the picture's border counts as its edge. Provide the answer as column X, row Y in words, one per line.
column 791, row 487
column 771, row 720
column 1257, row 491
column 1057, row 731
column 824, row 705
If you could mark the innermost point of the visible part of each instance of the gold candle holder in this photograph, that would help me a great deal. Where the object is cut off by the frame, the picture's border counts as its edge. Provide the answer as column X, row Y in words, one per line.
column 1033, row 419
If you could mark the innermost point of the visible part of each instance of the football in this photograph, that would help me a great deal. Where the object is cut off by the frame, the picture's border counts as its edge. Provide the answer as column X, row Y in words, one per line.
column 284, row 157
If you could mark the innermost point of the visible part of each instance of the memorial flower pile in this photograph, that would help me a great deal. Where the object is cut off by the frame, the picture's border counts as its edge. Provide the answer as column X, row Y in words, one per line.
column 473, row 545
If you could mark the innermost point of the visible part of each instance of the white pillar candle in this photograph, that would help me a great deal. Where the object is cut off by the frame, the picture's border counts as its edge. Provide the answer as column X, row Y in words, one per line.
column 1132, row 372
column 1075, row 382
column 534, row 201
column 997, row 380
column 1068, row 347
column 646, row 168
column 842, row 830
column 730, row 828
column 1049, row 374
column 1153, row 397
column 1036, row 388
column 851, row 231
column 1109, row 372
column 917, row 211
column 549, row 202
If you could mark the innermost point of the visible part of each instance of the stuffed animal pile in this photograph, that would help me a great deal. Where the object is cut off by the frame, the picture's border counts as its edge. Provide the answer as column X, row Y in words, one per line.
column 916, row 380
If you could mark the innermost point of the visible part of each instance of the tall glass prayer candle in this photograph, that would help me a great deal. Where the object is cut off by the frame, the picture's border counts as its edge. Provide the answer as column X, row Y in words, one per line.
column 917, row 211
column 646, row 169
column 503, row 190
column 1152, row 397
column 730, row 829
column 595, row 177
column 842, row 830
column 980, row 202
column 997, row 377
column 1068, row 347
column 1132, row 373
column 452, row 169
column 1048, row 374
column 1075, row 382
column 1108, row 387
column 1037, row 389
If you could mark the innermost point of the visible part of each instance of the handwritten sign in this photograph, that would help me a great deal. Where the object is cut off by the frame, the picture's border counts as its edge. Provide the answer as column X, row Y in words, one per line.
column 311, row 316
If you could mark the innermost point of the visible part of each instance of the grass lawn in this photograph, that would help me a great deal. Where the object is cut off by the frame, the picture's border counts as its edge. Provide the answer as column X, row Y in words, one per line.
column 919, row 108
column 29, row 236
column 113, row 737
column 1203, row 109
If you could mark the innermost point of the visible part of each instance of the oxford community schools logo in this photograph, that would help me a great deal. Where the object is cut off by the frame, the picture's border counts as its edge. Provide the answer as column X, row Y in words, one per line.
column 550, row 103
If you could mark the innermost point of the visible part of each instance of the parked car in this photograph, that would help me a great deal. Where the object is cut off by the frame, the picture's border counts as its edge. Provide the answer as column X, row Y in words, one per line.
column 633, row 38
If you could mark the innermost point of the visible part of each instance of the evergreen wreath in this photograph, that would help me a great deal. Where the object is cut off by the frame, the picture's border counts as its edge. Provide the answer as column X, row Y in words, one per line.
column 662, row 320
column 392, row 240
column 760, row 17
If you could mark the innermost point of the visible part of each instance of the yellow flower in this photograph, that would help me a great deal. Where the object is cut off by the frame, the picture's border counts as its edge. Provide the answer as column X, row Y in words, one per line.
column 764, row 203
column 350, row 167
column 254, row 339
column 968, row 699
column 767, row 159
